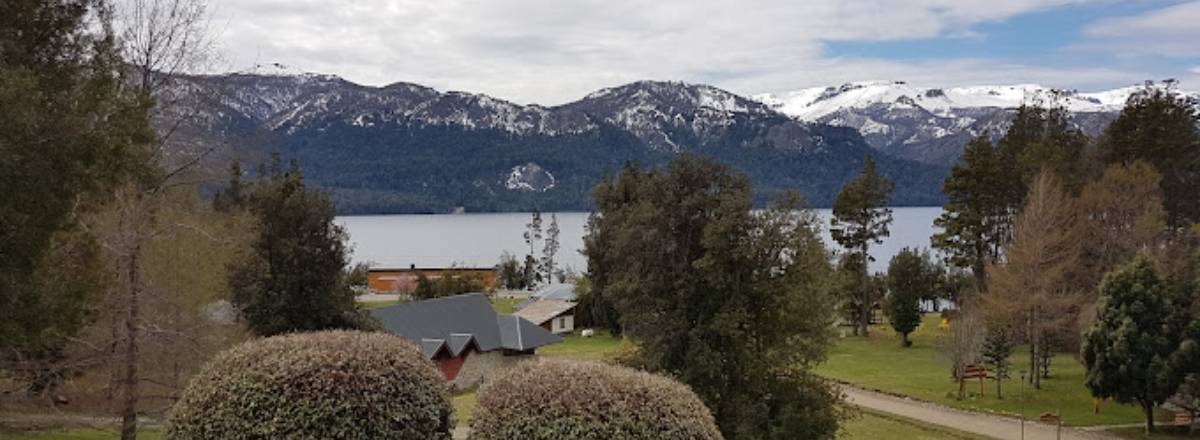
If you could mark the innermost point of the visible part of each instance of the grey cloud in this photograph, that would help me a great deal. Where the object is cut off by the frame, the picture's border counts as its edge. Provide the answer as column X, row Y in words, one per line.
column 552, row 51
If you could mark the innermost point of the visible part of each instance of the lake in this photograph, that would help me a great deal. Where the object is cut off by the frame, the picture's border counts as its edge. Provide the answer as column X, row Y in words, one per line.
column 478, row 240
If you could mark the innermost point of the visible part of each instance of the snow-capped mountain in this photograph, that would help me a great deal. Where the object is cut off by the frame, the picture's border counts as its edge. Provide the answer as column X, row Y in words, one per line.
column 406, row 147
column 932, row 125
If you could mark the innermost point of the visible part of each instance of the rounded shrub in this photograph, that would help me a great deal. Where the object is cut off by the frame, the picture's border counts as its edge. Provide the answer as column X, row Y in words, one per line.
column 560, row 400
column 323, row 385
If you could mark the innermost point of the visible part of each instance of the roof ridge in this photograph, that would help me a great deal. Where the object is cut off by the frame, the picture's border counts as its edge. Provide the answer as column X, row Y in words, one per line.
column 520, row 342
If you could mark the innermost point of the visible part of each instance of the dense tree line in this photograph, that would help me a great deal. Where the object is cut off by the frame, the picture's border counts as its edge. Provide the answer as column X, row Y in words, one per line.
column 1042, row 216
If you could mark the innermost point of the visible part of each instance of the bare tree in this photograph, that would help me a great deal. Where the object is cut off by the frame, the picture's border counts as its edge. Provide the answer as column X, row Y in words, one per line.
column 964, row 343
column 1034, row 290
column 159, row 39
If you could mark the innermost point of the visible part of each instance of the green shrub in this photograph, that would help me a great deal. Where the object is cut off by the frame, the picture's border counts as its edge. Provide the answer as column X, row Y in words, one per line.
column 324, row 385
column 562, row 400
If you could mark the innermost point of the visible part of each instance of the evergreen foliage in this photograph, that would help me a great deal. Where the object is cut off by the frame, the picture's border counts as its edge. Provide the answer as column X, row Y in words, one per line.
column 449, row 283
column 910, row 278
column 976, row 218
column 294, row 278
column 734, row 303
column 510, row 273
column 997, row 348
column 1127, row 350
column 987, row 188
column 861, row 218
column 71, row 131
column 547, row 265
column 1160, row 127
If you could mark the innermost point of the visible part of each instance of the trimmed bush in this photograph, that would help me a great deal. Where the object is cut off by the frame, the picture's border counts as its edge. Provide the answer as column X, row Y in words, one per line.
column 324, row 385
column 560, row 400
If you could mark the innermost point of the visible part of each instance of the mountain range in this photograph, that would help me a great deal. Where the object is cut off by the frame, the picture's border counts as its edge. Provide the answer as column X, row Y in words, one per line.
column 931, row 125
column 405, row 148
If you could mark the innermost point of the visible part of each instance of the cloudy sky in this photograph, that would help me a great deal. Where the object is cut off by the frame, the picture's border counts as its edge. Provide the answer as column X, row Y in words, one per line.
column 554, row 51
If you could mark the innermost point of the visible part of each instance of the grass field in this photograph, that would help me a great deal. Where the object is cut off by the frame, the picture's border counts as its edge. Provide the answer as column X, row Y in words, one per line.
column 923, row 372
column 1161, row 433
column 578, row 347
column 464, row 405
column 872, row 425
column 505, row 305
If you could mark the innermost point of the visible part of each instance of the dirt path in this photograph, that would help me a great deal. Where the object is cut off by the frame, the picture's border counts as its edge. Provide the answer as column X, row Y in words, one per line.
column 1004, row 428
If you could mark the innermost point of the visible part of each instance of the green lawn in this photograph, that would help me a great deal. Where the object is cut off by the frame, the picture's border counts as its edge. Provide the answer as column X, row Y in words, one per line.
column 82, row 434
column 923, row 372
column 1162, row 433
column 578, row 347
column 505, row 305
column 464, row 405
column 376, row 304
column 872, row 425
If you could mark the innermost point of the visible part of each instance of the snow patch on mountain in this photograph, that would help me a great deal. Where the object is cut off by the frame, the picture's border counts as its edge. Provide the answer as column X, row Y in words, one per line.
column 932, row 125
column 529, row 177
column 814, row 103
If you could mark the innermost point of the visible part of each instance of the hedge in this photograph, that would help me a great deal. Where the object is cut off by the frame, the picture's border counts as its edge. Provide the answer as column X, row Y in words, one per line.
column 323, row 385
column 562, row 400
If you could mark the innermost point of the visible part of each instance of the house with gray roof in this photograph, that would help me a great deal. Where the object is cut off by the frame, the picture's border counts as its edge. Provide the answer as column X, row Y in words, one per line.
column 555, row 315
column 464, row 336
column 564, row 292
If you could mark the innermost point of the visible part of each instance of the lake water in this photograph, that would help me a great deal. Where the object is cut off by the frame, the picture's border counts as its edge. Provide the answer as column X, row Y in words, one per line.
column 478, row 240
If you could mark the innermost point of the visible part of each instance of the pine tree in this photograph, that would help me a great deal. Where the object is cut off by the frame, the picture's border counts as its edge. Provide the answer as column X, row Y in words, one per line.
column 909, row 279
column 987, row 188
column 533, row 236
column 71, row 131
column 550, row 249
column 233, row 197
column 975, row 221
column 1127, row 348
column 860, row 218
column 292, row 281
column 705, row 286
column 997, row 347
column 1159, row 127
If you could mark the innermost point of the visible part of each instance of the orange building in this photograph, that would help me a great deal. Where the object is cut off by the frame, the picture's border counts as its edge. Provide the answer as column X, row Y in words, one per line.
column 404, row 280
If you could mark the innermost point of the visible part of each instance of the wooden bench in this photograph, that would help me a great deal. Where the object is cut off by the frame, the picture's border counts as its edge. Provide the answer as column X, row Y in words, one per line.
column 976, row 372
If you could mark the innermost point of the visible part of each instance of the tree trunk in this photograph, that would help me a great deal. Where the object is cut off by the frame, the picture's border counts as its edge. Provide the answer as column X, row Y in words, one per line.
column 1148, row 411
column 1034, row 342
column 904, row 340
column 980, row 273
column 130, row 375
column 865, row 318
column 962, row 384
column 999, row 393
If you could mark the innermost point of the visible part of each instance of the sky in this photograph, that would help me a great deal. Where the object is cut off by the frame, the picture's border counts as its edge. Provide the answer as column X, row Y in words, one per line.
column 555, row 51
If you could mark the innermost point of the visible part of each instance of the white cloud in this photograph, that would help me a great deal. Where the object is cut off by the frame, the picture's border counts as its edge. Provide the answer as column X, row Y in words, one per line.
column 1172, row 31
column 553, row 51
